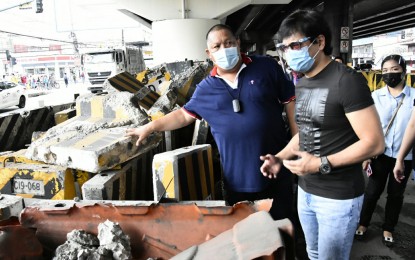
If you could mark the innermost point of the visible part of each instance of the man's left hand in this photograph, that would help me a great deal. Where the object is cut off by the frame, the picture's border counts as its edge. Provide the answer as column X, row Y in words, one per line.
column 305, row 164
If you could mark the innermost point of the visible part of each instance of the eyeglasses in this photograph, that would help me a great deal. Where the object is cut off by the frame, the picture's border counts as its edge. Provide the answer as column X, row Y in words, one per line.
column 292, row 46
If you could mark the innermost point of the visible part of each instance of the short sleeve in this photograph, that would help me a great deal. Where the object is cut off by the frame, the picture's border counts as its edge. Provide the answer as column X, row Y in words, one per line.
column 287, row 88
column 354, row 92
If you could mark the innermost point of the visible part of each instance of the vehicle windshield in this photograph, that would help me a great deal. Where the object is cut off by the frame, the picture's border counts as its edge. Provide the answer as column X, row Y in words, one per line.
column 102, row 57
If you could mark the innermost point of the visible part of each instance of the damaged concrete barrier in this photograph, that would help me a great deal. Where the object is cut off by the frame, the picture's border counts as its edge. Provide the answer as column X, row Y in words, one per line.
column 40, row 180
column 16, row 128
column 64, row 115
column 10, row 206
column 130, row 181
column 95, row 139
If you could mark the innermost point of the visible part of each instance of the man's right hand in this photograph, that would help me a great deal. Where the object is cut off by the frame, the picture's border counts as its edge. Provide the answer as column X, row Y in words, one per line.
column 141, row 132
column 271, row 166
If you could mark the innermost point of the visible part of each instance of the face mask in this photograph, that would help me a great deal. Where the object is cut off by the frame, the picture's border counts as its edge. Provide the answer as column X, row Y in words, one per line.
column 300, row 60
column 226, row 58
column 392, row 79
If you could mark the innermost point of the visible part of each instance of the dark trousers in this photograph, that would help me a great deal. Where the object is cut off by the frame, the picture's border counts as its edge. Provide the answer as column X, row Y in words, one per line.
column 280, row 190
column 382, row 168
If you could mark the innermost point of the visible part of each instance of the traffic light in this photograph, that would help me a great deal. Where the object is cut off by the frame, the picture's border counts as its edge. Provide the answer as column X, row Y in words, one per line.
column 8, row 56
column 39, row 6
column 13, row 60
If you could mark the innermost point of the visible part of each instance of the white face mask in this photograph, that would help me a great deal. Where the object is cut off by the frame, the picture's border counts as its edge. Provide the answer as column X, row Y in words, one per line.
column 226, row 58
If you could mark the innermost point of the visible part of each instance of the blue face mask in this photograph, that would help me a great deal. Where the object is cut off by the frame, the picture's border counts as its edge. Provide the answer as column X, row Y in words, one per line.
column 300, row 60
column 226, row 58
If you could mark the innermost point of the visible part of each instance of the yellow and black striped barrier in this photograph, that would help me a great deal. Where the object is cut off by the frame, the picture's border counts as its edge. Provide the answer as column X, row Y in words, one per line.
column 33, row 179
column 186, row 86
column 41, row 181
column 143, row 96
column 153, row 78
column 184, row 174
column 16, row 128
column 374, row 79
column 64, row 115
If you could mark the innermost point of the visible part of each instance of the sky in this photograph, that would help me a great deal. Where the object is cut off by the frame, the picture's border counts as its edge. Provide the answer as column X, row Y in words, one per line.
column 91, row 20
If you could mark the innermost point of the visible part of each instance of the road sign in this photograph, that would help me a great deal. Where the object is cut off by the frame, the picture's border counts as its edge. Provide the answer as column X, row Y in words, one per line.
column 344, row 46
column 344, row 33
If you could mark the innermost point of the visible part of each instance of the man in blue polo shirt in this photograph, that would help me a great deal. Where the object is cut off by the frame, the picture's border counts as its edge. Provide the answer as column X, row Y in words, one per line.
column 242, row 100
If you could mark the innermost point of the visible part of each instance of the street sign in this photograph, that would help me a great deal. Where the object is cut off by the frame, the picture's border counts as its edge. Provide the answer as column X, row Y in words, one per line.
column 344, row 33
column 344, row 46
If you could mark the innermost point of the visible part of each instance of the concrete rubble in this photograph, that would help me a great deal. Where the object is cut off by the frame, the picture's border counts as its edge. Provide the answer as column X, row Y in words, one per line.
column 111, row 243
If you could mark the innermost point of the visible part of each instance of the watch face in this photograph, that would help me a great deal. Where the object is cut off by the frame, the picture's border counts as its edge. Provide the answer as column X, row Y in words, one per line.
column 325, row 169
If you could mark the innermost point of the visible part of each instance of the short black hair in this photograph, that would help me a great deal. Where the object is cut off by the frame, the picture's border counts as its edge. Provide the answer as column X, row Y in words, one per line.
column 218, row 27
column 310, row 23
column 398, row 58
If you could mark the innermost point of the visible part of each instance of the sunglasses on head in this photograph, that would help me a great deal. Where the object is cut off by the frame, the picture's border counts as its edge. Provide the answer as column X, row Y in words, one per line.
column 293, row 46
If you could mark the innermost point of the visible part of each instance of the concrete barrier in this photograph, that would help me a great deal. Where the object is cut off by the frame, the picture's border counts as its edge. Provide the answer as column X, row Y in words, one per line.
column 17, row 127
column 184, row 174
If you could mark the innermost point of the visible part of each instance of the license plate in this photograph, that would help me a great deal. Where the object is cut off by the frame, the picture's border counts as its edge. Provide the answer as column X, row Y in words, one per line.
column 25, row 186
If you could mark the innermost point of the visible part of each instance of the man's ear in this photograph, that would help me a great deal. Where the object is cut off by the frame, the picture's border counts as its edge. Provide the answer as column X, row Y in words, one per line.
column 321, row 40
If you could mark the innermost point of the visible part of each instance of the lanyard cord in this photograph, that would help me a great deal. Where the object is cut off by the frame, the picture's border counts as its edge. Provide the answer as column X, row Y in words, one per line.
column 239, row 88
column 236, row 104
column 239, row 92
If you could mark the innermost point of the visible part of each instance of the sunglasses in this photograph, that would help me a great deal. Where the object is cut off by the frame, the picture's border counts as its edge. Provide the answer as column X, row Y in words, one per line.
column 292, row 46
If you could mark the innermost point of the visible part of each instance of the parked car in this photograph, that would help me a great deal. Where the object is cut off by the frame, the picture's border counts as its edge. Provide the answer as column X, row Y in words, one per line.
column 12, row 94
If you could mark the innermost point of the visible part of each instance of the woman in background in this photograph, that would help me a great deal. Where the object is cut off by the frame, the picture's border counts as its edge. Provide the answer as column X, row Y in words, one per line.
column 394, row 104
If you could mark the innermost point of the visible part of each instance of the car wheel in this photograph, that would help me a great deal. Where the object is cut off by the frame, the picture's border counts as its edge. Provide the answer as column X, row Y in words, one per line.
column 22, row 102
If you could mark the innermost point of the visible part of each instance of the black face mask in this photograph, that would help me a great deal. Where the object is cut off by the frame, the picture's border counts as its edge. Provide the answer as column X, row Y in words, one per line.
column 392, row 79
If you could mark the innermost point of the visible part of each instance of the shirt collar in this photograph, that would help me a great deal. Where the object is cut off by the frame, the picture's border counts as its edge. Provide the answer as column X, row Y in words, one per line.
column 406, row 90
column 245, row 60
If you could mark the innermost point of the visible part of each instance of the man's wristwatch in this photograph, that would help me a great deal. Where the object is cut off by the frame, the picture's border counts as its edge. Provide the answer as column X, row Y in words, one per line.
column 325, row 166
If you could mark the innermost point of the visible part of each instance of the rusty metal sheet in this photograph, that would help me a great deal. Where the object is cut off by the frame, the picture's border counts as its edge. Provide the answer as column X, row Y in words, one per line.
column 17, row 242
column 155, row 230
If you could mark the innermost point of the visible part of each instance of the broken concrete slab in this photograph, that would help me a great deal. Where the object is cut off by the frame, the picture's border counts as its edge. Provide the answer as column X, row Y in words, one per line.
column 95, row 139
column 10, row 205
column 164, row 105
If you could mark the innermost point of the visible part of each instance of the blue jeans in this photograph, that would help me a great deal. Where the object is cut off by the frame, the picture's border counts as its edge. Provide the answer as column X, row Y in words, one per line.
column 328, row 224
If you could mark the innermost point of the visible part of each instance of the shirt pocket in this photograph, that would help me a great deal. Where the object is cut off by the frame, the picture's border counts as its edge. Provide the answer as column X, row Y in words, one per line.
column 260, row 90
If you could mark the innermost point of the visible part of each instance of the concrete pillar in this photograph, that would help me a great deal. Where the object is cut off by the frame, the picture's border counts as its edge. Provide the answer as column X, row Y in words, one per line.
column 180, row 39
column 340, row 14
